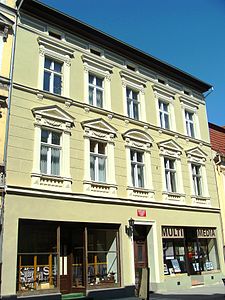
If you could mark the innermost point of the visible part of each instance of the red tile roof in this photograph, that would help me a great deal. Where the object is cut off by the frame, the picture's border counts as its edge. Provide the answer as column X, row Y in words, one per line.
column 217, row 137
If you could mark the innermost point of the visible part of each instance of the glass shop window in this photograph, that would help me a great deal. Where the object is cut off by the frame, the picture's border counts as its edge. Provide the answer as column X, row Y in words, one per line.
column 208, row 255
column 103, row 258
column 174, row 256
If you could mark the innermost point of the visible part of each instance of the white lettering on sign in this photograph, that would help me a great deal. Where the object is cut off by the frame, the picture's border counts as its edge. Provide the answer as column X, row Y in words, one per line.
column 206, row 232
column 172, row 232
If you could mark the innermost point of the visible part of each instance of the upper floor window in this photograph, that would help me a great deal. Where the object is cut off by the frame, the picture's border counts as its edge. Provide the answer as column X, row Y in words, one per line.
column 170, row 174
column 164, row 115
column 133, row 88
column 54, row 66
column 132, row 103
column 97, row 81
column 98, row 161
column 50, row 152
column 137, row 168
column 52, row 76
column 52, row 148
column 189, row 120
column 96, row 90
column 197, row 179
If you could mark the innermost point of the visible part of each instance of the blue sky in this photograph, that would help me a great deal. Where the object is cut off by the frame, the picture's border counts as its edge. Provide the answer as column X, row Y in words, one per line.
column 188, row 34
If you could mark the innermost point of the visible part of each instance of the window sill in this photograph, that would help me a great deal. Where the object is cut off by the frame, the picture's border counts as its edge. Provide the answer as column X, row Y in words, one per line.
column 100, row 188
column 140, row 193
column 51, row 182
column 173, row 197
column 200, row 200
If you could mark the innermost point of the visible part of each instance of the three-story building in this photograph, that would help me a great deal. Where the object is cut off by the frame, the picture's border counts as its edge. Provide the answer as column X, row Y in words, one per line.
column 109, row 166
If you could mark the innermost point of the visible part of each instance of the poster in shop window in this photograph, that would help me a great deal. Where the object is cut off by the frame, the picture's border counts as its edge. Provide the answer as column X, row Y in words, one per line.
column 175, row 265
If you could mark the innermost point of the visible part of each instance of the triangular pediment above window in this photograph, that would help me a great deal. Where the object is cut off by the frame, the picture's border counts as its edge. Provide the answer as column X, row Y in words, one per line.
column 53, row 112
column 99, row 125
column 196, row 152
column 138, row 135
column 170, row 145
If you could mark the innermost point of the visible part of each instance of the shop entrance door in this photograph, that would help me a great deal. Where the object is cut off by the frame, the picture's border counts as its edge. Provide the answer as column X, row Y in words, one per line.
column 140, row 253
column 72, row 270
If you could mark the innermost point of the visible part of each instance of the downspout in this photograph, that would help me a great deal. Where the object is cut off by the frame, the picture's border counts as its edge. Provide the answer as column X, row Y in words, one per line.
column 11, row 72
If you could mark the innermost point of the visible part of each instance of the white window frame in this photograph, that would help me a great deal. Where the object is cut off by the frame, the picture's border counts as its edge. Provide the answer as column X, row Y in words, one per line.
column 97, row 156
column 171, row 150
column 139, row 141
column 197, row 179
column 191, row 107
column 165, row 95
column 52, row 76
column 169, row 172
column 49, row 145
column 95, row 89
column 131, row 102
column 59, row 53
column 163, row 113
column 189, row 122
column 197, row 157
column 97, row 66
column 45, row 118
column 102, row 132
column 137, row 165
column 137, row 84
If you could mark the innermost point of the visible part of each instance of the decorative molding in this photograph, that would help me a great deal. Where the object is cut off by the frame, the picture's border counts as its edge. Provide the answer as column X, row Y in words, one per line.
column 136, row 138
column 99, row 128
column 196, row 155
column 170, row 148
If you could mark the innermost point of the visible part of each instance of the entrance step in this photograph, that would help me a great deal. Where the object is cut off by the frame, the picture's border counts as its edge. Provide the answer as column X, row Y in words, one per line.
column 74, row 296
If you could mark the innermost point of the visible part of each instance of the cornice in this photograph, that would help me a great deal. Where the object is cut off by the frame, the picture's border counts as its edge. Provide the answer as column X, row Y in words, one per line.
column 26, row 191
column 89, row 108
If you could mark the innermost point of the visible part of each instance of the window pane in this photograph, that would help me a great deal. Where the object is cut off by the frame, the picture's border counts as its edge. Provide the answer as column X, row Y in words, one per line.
column 192, row 130
column 91, row 78
column 135, row 95
column 44, row 135
column 92, row 167
column 43, row 160
column 166, row 119
column 48, row 63
column 99, row 81
column 55, row 160
column 101, row 148
column 46, row 82
column 140, row 176
column 57, row 84
column 173, row 182
column 139, row 156
column 55, row 138
column 91, row 95
column 99, row 96
column 136, row 113
column 57, row 67
column 101, row 166
column 133, row 174
column 92, row 146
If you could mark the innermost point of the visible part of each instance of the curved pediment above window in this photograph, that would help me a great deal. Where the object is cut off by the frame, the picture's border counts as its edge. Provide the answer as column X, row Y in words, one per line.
column 138, row 139
column 99, row 128
column 53, row 116
column 196, row 155
column 170, row 148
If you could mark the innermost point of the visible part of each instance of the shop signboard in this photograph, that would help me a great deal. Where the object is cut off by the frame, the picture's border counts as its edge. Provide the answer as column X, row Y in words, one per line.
column 173, row 232
column 209, row 233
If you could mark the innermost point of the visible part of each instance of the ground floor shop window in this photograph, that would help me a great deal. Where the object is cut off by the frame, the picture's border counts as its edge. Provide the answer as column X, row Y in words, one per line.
column 65, row 256
column 37, row 256
column 189, row 250
column 103, row 268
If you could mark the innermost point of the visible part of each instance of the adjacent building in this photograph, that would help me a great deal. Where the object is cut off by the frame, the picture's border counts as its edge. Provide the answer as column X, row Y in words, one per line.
column 108, row 169
column 217, row 137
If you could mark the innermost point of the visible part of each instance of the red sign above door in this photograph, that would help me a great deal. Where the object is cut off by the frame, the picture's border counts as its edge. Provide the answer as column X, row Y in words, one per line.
column 141, row 212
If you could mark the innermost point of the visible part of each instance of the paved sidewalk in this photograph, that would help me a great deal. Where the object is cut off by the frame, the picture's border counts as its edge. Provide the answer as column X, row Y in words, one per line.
column 216, row 291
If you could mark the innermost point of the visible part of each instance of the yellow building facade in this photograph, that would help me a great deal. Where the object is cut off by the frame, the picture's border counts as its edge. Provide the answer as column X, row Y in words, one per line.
column 108, row 170
column 7, row 19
